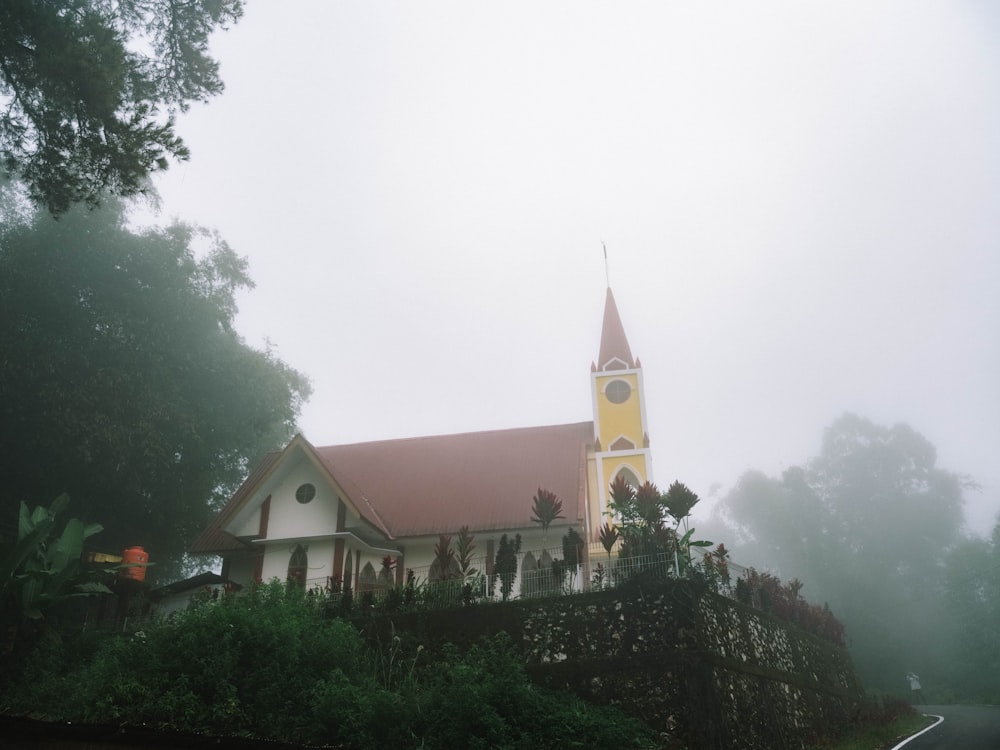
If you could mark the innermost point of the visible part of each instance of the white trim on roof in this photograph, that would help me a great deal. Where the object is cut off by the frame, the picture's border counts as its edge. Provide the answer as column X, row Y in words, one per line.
column 324, row 537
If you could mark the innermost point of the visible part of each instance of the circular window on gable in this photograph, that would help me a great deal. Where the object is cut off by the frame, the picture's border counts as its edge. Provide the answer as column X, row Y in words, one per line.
column 305, row 493
column 618, row 391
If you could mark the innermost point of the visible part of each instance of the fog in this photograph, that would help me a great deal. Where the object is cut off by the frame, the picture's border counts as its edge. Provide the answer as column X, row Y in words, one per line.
column 799, row 204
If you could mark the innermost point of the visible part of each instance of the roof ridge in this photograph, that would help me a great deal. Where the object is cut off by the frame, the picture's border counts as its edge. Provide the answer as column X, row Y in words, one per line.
column 416, row 438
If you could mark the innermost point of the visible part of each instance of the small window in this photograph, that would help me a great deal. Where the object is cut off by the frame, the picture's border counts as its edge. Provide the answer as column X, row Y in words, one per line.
column 618, row 391
column 305, row 493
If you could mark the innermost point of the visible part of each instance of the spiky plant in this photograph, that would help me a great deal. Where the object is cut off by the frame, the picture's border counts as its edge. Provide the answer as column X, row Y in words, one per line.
column 444, row 566
column 609, row 536
column 547, row 508
column 465, row 547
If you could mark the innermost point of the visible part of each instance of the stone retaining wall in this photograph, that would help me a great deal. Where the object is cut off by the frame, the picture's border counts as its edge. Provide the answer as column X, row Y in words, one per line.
column 697, row 666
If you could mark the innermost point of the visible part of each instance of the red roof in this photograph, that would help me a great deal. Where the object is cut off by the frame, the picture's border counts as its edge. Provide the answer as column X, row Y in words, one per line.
column 485, row 480
column 431, row 485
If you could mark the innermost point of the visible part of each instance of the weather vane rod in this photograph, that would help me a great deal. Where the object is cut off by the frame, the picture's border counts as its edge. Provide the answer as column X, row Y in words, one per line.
column 607, row 274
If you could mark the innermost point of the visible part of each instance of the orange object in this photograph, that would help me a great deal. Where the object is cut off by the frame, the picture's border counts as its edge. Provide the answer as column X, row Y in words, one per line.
column 131, row 556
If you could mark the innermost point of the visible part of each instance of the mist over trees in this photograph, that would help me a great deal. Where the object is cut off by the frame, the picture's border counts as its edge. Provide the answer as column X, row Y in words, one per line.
column 123, row 382
column 972, row 592
column 89, row 88
column 873, row 527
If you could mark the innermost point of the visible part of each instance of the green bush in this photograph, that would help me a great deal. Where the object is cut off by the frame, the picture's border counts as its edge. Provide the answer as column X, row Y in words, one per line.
column 274, row 664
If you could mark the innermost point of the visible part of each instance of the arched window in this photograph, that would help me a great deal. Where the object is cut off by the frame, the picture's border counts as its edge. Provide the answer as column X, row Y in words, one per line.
column 348, row 570
column 298, row 566
column 368, row 580
column 630, row 477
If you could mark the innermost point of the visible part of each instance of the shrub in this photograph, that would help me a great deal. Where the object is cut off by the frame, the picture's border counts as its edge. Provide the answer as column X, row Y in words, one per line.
column 274, row 664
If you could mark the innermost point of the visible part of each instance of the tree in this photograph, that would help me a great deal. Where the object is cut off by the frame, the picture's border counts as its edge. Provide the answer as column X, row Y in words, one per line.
column 89, row 90
column 972, row 590
column 866, row 526
column 123, row 382
column 505, row 565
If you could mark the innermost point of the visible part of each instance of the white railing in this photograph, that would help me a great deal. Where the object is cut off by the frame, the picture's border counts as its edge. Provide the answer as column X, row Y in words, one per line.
column 543, row 573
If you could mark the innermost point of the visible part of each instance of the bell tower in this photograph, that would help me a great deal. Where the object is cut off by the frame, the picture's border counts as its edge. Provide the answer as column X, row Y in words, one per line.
column 620, row 434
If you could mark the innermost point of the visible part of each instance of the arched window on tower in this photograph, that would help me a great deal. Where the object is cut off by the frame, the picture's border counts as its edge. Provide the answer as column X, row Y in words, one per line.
column 629, row 476
column 298, row 566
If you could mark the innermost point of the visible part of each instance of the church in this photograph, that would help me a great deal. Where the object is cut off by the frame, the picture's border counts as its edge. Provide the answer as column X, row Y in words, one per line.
column 329, row 516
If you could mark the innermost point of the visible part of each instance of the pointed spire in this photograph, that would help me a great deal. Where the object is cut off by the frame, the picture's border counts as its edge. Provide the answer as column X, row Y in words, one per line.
column 615, row 352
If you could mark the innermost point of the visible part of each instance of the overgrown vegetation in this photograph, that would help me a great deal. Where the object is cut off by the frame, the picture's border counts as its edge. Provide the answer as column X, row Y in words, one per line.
column 767, row 593
column 882, row 723
column 40, row 570
column 274, row 664
column 641, row 515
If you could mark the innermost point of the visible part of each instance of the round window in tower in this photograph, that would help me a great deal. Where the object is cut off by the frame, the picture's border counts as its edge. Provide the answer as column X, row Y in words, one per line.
column 618, row 391
column 305, row 493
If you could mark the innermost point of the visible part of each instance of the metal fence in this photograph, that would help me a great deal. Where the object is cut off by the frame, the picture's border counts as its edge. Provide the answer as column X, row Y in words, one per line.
column 543, row 572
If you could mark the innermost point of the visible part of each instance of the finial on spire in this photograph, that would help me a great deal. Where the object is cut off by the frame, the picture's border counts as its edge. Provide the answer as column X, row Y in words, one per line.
column 607, row 274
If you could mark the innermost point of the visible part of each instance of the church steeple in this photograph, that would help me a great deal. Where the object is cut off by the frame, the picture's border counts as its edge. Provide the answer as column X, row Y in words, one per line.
column 621, row 440
column 615, row 352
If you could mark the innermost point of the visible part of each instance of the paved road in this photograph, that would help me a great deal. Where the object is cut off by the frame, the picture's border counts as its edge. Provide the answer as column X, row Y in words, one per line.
column 963, row 728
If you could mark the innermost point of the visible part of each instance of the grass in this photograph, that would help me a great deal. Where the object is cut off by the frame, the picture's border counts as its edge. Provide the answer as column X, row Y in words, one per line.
column 881, row 736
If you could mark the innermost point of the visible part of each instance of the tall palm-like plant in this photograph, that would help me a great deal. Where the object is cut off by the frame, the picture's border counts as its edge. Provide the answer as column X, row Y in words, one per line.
column 465, row 546
column 609, row 536
column 721, row 557
column 547, row 508
column 678, row 501
column 444, row 566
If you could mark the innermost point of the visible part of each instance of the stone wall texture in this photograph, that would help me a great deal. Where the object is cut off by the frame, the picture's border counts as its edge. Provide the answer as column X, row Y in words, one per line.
column 704, row 670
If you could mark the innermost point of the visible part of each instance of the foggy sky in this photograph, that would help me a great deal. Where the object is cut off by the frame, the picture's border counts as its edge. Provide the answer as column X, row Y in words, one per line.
column 799, row 203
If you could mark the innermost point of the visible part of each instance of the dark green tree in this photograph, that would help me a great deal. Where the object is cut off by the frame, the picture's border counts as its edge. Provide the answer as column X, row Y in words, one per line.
column 123, row 382
column 866, row 526
column 572, row 546
column 89, row 90
column 505, row 565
